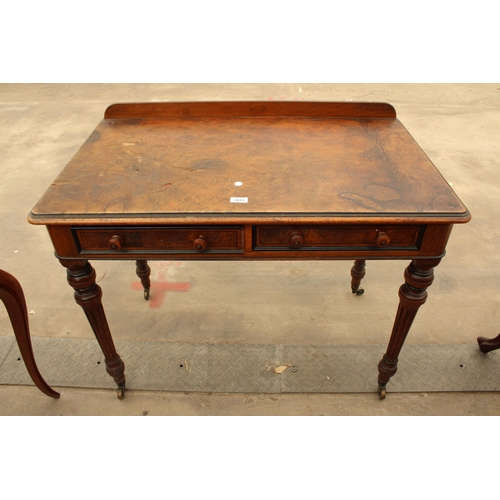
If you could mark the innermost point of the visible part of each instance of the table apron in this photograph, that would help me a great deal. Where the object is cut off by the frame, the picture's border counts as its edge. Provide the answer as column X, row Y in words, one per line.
column 251, row 242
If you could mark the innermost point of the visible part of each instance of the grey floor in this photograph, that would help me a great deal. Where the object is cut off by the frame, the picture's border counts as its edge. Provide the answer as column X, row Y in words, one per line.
column 286, row 303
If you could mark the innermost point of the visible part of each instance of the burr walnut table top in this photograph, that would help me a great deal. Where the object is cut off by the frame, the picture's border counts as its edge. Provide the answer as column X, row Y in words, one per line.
column 179, row 162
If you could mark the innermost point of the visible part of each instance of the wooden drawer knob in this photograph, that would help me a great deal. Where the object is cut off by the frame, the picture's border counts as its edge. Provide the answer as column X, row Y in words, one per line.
column 115, row 243
column 200, row 244
column 296, row 239
column 382, row 239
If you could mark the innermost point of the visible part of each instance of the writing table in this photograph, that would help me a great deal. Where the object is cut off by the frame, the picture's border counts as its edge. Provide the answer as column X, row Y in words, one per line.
column 250, row 180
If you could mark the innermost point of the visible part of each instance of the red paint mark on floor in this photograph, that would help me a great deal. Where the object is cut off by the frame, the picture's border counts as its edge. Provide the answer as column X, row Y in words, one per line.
column 160, row 286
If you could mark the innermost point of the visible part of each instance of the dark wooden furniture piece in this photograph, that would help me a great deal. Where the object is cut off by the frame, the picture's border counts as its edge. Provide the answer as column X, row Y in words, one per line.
column 12, row 295
column 250, row 180
column 488, row 345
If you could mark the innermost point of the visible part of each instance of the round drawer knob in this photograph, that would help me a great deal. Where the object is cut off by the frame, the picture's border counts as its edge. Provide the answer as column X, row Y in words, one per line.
column 115, row 243
column 296, row 239
column 200, row 244
column 382, row 239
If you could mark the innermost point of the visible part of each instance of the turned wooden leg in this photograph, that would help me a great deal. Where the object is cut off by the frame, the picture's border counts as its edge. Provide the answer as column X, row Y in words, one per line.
column 412, row 294
column 487, row 345
column 81, row 276
column 358, row 273
column 144, row 271
column 12, row 296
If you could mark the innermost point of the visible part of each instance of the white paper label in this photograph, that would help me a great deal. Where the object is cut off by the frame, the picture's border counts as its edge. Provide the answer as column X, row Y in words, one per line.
column 238, row 200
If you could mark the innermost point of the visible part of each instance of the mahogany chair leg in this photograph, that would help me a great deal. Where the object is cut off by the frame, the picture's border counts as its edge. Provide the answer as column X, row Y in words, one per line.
column 487, row 345
column 144, row 271
column 12, row 295
column 358, row 273
column 419, row 275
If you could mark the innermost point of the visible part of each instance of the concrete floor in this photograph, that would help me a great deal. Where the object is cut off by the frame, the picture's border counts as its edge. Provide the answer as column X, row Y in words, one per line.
column 42, row 126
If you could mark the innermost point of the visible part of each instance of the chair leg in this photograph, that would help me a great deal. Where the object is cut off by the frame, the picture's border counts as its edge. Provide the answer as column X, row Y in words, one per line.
column 357, row 273
column 487, row 344
column 12, row 296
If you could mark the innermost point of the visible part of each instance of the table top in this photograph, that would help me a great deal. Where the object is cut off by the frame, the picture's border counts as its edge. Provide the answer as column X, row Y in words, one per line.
column 179, row 162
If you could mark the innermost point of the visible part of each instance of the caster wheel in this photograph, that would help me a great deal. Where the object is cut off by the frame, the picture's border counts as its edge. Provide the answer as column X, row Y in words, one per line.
column 358, row 292
column 381, row 392
column 146, row 294
column 120, row 393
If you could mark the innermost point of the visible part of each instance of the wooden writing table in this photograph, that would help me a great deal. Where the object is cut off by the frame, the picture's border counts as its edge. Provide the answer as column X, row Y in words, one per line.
column 250, row 180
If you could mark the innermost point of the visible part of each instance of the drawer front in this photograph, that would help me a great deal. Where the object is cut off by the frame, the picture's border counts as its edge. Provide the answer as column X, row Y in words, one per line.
column 337, row 237
column 161, row 240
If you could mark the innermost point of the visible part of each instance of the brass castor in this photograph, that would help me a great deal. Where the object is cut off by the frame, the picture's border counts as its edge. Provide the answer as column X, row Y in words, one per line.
column 146, row 294
column 120, row 392
column 358, row 291
column 381, row 392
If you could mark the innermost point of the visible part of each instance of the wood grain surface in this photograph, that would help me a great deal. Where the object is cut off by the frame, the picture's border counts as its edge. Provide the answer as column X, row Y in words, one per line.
column 288, row 165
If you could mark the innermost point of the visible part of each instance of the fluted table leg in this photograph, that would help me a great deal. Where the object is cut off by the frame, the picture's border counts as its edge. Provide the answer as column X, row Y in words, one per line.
column 357, row 274
column 143, row 271
column 419, row 275
column 81, row 276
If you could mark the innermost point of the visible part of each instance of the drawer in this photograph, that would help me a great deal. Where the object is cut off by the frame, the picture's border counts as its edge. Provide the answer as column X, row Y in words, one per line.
column 337, row 237
column 161, row 240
